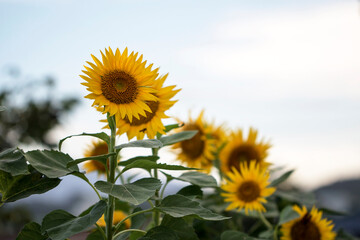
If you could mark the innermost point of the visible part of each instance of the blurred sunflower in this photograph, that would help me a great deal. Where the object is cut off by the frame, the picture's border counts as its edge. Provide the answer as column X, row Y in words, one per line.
column 197, row 152
column 308, row 226
column 248, row 188
column 96, row 148
column 239, row 150
column 151, row 123
column 118, row 216
column 121, row 83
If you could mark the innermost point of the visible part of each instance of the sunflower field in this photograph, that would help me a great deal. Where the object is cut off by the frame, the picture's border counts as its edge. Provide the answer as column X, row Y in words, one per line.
column 232, row 191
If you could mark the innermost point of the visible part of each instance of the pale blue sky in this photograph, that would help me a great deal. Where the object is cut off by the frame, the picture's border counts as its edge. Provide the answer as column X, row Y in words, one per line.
column 289, row 68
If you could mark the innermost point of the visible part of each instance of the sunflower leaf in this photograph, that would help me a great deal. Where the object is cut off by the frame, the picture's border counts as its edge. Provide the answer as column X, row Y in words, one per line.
column 51, row 163
column 181, row 206
column 131, row 160
column 191, row 191
column 168, row 128
column 146, row 164
column 60, row 224
column 148, row 143
column 22, row 186
column 287, row 214
column 235, row 235
column 135, row 193
column 12, row 160
column 177, row 137
column 198, row 178
column 281, row 179
column 182, row 230
column 103, row 136
column 31, row 231
column 100, row 158
column 160, row 233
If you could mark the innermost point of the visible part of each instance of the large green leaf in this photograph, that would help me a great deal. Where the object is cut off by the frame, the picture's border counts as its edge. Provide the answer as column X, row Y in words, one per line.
column 131, row 160
column 191, row 191
column 103, row 136
column 95, row 235
column 135, row 193
column 235, row 235
column 18, row 187
column 137, row 222
column 51, row 163
column 182, row 230
column 177, row 137
column 181, row 206
column 60, row 224
column 31, row 231
column 13, row 161
column 287, row 214
column 147, row 164
column 160, row 233
column 281, row 179
column 147, row 143
column 198, row 178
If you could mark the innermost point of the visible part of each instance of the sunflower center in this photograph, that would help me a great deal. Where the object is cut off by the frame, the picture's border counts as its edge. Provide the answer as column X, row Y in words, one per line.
column 119, row 87
column 305, row 229
column 194, row 147
column 242, row 153
column 248, row 191
column 154, row 106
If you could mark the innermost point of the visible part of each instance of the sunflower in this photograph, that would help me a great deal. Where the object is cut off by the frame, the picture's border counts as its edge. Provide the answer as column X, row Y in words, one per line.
column 120, row 84
column 308, row 226
column 95, row 149
column 197, row 152
column 238, row 150
column 151, row 123
column 247, row 188
column 118, row 216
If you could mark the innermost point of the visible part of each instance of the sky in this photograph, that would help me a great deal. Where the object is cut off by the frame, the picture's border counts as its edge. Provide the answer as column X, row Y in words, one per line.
column 291, row 69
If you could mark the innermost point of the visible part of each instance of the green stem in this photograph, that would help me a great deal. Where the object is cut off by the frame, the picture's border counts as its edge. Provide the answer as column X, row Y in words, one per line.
column 151, row 203
column 129, row 230
column 111, row 178
column 156, row 215
column 101, row 231
column 266, row 222
column 276, row 232
column 130, row 216
column 163, row 189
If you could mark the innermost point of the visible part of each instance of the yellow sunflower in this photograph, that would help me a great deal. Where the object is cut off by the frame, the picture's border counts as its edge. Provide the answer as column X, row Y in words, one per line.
column 308, row 226
column 197, row 152
column 238, row 150
column 121, row 83
column 151, row 123
column 96, row 148
column 247, row 188
column 118, row 216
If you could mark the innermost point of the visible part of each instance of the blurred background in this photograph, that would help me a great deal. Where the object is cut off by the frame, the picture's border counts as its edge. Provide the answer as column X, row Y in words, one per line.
column 291, row 69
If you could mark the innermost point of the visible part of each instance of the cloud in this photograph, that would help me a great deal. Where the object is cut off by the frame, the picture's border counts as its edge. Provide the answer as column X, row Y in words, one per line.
column 305, row 53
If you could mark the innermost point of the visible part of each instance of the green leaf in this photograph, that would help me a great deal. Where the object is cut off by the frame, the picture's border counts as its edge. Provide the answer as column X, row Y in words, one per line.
column 342, row 235
column 287, row 214
column 303, row 198
column 95, row 235
column 147, row 143
column 198, row 178
column 160, row 233
column 168, row 128
column 281, row 179
column 135, row 193
column 235, row 235
column 15, row 188
column 146, row 164
column 137, row 222
column 182, row 230
column 131, row 160
column 51, row 163
column 332, row 212
column 103, row 136
column 177, row 137
column 13, row 161
column 60, row 224
column 31, row 231
column 101, row 158
column 180, row 206
column 191, row 191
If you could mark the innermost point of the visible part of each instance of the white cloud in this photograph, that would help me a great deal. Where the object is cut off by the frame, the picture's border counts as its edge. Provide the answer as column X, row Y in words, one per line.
column 308, row 53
